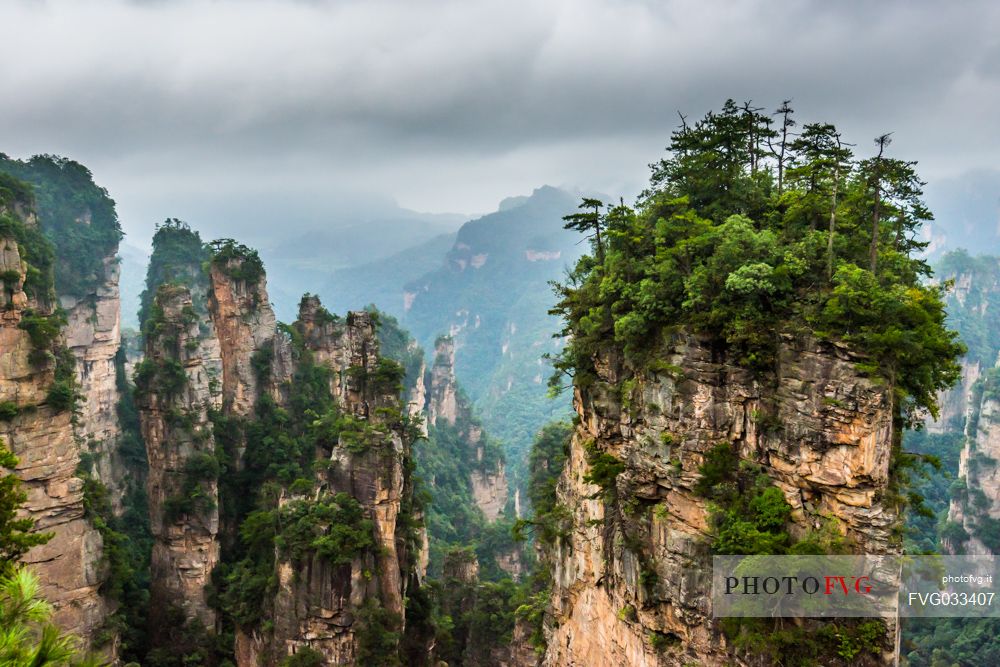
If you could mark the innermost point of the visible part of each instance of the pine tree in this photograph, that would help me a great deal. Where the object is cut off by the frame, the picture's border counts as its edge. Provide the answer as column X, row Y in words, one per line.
column 16, row 534
column 589, row 221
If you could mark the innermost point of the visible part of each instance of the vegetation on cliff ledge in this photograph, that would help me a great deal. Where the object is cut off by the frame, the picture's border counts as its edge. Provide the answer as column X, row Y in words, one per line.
column 178, row 258
column 746, row 233
column 75, row 213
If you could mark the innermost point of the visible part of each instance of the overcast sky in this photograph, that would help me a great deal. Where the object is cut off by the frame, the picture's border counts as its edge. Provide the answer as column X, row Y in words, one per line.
column 185, row 108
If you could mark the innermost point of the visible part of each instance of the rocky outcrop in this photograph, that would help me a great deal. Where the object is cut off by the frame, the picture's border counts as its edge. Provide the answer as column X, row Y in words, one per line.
column 821, row 432
column 445, row 405
column 41, row 434
column 244, row 323
column 442, row 399
column 93, row 335
column 317, row 603
column 178, row 383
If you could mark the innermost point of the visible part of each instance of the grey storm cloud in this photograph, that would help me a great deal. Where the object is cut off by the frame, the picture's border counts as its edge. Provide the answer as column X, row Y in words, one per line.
column 454, row 105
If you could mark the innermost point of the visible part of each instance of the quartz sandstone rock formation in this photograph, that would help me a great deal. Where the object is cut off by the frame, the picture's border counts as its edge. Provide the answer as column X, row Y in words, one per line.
column 184, row 365
column 446, row 406
column 93, row 335
column 69, row 566
column 244, row 323
column 214, row 344
column 821, row 432
column 316, row 603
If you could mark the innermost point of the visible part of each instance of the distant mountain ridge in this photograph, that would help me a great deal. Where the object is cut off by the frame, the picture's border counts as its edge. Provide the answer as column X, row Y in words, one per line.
column 488, row 287
column 381, row 281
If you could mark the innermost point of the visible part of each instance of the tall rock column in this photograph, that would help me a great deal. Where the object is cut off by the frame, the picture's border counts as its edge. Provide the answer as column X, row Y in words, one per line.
column 446, row 406
column 37, row 426
column 319, row 604
column 93, row 335
column 177, row 384
column 632, row 577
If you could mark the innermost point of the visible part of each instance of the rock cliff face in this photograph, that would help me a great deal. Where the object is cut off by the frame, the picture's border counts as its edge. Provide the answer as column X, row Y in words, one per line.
column 955, row 403
column 93, row 335
column 317, row 603
column 41, row 434
column 178, row 383
column 213, row 352
column 970, row 412
column 244, row 323
column 975, row 503
column 446, row 406
column 822, row 434
column 976, row 506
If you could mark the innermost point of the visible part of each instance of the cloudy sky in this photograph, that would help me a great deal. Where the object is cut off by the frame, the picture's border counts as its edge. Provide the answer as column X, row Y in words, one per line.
column 231, row 109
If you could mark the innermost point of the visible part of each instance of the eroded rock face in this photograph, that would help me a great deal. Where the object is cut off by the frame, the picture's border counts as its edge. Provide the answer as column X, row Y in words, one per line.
column 93, row 335
column 446, row 406
column 955, row 403
column 822, row 433
column 69, row 566
column 244, row 323
column 184, row 382
column 317, row 603
column 978, row 500
column 490, row 491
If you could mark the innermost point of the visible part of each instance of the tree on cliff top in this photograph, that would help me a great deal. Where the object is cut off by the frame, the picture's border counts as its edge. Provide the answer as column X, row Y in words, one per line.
column 715, row 247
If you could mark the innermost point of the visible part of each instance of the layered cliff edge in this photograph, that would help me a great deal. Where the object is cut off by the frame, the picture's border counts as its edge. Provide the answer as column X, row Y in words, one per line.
column 57, row 374
column 631, row 578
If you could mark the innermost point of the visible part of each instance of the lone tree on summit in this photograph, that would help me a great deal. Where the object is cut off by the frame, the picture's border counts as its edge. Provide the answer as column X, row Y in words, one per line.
column 589, row 221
